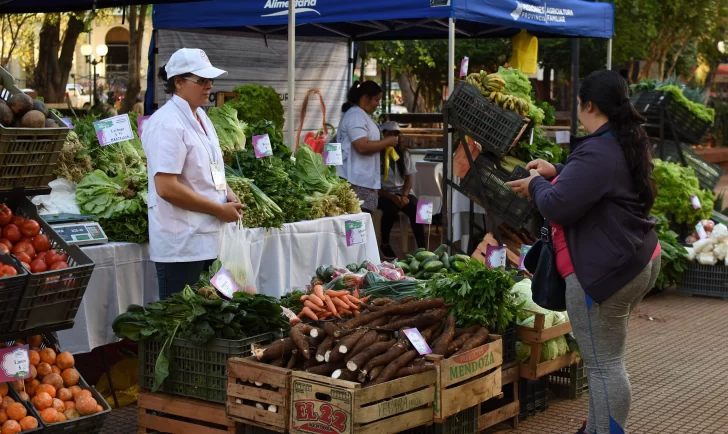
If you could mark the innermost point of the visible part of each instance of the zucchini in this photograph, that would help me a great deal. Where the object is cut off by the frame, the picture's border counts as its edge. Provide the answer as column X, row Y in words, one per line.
column 433, row 266
column 403, row 265
column 428, row 275
column 421, row 249
column 414, row 266
column 459, row 266
column 445, row 259
column 428, row 260
column 420, row 275
column 461, row 258
column 424, row 255
column 409, row 257
column 440, row 250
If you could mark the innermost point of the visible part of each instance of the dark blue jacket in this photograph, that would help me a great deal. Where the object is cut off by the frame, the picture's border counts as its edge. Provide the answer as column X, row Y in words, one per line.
column 609, row 236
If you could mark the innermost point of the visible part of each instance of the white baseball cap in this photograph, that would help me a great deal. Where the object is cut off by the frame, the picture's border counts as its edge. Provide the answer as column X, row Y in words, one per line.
column 390, row 126
column 192, row 61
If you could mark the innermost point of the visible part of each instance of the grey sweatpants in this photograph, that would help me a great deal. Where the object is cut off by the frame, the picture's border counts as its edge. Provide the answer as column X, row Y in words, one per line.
column 601, row 332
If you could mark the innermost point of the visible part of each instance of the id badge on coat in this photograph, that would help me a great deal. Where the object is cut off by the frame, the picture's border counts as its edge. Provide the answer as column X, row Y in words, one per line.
column 218, row 176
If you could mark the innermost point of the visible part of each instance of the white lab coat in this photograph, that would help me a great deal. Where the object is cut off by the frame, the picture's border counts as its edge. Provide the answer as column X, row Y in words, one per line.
column 359, row 169
column 175, row 143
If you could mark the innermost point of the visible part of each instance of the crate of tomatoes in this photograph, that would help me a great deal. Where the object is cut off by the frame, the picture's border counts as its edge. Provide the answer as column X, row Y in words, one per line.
column 56, row 273
column 13, row 281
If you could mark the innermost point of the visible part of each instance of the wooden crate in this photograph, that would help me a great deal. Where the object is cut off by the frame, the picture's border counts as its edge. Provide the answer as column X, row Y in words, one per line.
column 509, row 411
column 536, row 336
column 182, row 415
column 222, row 97
column 322, row 405
column 467, row 379
column 251, row 382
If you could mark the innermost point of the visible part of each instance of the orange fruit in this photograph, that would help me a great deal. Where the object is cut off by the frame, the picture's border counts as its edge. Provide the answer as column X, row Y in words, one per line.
column 71, row 414
column 70, row 377
column 3, row 389
column 75, row 390
column 18, row 385
column 16, row 411
column 3, row 416
column 42, row 401
column 65, row 360
column 35, row 341
column 7, row 401
column 28, row 422
column 32, row 387
column 86, row 405
column 49, row 415
column 69, row 405
column 34, row 357
column 10, row 427
column 47, row 388
column 43, row 369
column 24, row 396
column 64, row 394
column 33, row 374
column 58, row 405
column 61, row 417
column 47, row 355
column 81, row 394
column 55, row 370
column 54, row 380
column 99, row 408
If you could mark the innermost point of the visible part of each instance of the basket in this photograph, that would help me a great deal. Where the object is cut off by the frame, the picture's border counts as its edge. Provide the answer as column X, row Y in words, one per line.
column 464, row 422
column 569, row 382
column 708, row 174
column 51, row 298
column 533, row 396
column 688, row 127
column 487, row 184
column 28, row 156
column 509, row 343
column 708, row 280
column 11, row 291
column 324, row 125
column 496, row 129
column 29, row 410
column 194, row 371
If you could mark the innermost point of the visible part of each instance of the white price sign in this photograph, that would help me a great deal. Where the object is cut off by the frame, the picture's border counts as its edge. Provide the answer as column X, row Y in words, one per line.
column 332, row 154
column 355, row 232
column 114, row 130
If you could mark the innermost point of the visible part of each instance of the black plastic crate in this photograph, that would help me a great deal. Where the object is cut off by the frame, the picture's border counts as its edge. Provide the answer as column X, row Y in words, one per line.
column 707, row 280
column 569, row 382
column 12, row 289
column 533, row 396
column 195, row 372
column 688, row 127
column 496, row 129
column 30, row 411
column 509, row 343
column 487, row 183
column 464, row 422
column 708, row 174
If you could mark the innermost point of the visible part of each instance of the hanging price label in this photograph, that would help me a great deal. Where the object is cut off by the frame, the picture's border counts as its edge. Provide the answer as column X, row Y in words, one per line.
column 355, row 232
column 524, row 252
column 332, row 154
column 563, row 137
column 415, row 337
column 464, row 67
column 424, row 213
column 262, row 146
column 114, row 130
column 14, row 364
column 140, row 124
column 224, row 283
column 701, row 231
column 695, row 201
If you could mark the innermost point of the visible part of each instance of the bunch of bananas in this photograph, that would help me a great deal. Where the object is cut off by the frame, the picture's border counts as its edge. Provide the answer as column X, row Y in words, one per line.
column 492, row 86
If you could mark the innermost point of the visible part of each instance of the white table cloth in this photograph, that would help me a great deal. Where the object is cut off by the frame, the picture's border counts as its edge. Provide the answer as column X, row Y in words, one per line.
column 282, row 259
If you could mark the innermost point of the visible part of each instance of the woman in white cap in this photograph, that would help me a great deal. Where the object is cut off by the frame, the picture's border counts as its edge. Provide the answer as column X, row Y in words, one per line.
column 189, row 199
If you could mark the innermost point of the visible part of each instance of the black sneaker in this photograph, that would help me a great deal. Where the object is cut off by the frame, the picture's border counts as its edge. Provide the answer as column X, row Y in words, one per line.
column 388, row 252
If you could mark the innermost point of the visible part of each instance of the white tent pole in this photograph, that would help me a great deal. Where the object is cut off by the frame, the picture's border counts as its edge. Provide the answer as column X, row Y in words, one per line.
column 609, row 54
column 448, row 150
column 291, row 73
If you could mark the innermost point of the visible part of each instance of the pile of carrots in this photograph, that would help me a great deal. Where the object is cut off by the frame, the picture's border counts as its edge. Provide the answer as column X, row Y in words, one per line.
column 322, row 304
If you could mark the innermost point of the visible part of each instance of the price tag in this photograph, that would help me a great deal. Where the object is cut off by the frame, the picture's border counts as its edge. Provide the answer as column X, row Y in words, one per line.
column 14, row 364
column 67, row 122
column 464, row 67
column 114, row 130
column 563, row 137
column 701, row 231
column 415, row 337
column 224, row 283
column 495, row 256
column 262, row 146
column 695, row 201
column 140, row 124
column 424, row 213
column 332, row 154
column 524, row 252
column 355, row 232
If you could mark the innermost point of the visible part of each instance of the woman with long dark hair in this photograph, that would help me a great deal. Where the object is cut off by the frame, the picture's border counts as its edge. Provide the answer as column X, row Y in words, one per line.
column 598, row 205
column 361, row 141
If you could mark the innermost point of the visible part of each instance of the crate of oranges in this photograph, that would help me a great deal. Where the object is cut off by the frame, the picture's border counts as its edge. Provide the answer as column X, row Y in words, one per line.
column 56, row 394
column 16, row 415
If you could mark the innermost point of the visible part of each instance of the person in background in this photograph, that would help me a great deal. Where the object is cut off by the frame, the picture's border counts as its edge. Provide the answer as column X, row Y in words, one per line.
column 598, row 205
column 138, row 107
column 396, row 194
column 188, row 199
column 361, row 141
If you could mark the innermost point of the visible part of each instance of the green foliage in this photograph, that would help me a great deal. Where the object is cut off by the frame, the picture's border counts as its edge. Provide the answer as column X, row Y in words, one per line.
column 113, row 159
column 674, row 256
column 542, row 147
column 699, row 110
column 230, row 131
column 675, row 186
column 256, row 103
column 517, row 83
column 549, row 111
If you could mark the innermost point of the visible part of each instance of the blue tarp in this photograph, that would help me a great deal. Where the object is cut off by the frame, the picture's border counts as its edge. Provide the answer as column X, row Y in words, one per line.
column 396, row 19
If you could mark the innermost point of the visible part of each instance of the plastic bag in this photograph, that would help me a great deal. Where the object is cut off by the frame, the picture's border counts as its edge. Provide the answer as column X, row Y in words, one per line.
column 61, row 200
column 234, row 254
column 524, row 54
column 125, row 376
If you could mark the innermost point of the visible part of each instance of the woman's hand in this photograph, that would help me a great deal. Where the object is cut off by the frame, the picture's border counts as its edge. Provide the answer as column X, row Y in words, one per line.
column 543, row 167
column 403, row 200
column 391, row 140
column 230, row 212
column 521, row 186
column 231, row 196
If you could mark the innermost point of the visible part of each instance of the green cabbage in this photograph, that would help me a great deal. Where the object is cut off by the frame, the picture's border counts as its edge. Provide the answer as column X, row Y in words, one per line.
column 517, row 83
column 230, row 131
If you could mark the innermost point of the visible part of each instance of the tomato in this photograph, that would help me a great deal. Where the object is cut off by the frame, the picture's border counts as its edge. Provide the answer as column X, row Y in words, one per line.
column 26, row 265
column 12, row 233
column 4, row 249
column 5, row 215
column 7, row 243
column 18, row 220
column 24, row 247
column 23, row 257
column 30, row 228
column 42, row 243
column 59, row 265
column 38, row 266
column 8, row 270
column 41, row 256
column 53, row 256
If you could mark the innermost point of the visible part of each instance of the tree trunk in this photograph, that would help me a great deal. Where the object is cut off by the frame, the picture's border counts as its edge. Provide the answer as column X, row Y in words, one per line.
column 136, row 36
column 630, row 71
column 676, row 56
column 52, row 71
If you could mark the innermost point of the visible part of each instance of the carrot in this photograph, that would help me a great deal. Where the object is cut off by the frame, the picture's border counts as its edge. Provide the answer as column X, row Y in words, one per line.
column 325, row 315
column 332, row 307
column 339, row 303
column 304, row 297
column 332, row 293
column 318, row 290
column 344, row 311
column 348, row 302
column 309, row 313
column 312, row 306
column 365, row 299
column 315, row 299
column 351, row 299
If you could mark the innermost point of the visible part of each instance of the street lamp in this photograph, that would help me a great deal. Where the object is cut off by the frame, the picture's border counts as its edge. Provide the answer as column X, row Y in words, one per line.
column 101, row 50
